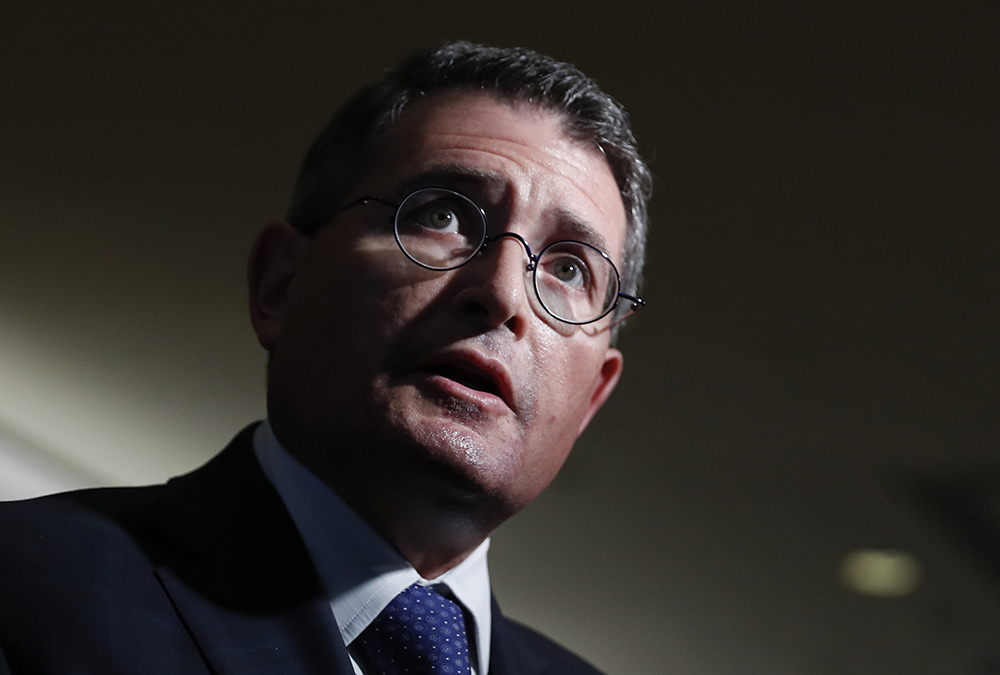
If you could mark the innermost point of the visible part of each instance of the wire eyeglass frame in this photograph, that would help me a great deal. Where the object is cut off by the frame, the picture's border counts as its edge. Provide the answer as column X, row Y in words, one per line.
column 484, row 241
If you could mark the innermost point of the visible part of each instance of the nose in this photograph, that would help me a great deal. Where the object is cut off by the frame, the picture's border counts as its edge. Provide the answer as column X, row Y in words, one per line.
column 494, row 289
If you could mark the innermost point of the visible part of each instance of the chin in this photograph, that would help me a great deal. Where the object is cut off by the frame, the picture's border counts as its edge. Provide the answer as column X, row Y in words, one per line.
column 460, row 462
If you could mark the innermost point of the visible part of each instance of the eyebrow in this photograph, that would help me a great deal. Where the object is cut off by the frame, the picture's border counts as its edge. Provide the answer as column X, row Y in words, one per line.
column 581, row 231
column 447, row 174
column 444, row 174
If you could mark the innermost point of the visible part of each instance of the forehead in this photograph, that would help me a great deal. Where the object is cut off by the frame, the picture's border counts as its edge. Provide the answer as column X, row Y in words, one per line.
column 514, row 155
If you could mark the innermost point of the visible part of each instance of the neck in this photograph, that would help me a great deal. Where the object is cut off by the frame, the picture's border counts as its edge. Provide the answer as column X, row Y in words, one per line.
column 432, row 534
column 434, row 521
column 432, row 543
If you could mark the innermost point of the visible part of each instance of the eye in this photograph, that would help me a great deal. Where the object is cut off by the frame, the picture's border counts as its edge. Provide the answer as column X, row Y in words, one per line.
column 439, row 216
column 570, row 271
column 575, row 282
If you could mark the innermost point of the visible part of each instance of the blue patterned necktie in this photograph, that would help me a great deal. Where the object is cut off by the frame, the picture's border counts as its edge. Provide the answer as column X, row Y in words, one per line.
column 420, row 633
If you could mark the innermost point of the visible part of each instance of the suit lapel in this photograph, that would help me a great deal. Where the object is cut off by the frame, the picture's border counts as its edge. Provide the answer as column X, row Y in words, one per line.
column 510, row 653
column 295, row 640
column 239, row 575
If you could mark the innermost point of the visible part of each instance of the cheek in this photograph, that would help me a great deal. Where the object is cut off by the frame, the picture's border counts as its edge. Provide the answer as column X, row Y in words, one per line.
column 562, row 401
column 571, row 372
column 375, row 299
column 562, row 391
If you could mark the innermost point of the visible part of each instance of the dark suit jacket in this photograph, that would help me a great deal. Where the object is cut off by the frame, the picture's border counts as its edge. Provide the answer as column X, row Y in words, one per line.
column 206, row 574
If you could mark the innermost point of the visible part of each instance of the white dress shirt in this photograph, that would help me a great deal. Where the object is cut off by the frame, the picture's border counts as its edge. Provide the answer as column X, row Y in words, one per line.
column 360, row 571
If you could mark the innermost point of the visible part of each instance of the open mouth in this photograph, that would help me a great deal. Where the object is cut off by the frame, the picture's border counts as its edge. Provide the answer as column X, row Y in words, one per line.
column 468, row 375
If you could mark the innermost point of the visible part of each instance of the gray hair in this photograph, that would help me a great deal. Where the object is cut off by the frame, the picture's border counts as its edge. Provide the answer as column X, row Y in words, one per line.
column 341, row 152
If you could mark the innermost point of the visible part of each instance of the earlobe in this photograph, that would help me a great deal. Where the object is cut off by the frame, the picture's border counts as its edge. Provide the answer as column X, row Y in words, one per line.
column 274, row 261
column 611, row 370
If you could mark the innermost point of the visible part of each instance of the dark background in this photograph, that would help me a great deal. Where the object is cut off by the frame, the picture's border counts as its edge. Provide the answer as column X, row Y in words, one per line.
column 817, row 370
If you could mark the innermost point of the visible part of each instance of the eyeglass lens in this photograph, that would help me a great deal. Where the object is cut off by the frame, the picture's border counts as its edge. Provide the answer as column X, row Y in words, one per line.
column 441, row 229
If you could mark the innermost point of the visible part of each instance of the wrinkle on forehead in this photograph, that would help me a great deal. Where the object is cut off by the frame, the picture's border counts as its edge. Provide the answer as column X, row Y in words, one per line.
column 541, row 154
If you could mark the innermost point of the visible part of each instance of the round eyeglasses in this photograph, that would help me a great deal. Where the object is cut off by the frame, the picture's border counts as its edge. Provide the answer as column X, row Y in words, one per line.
column 441, row 229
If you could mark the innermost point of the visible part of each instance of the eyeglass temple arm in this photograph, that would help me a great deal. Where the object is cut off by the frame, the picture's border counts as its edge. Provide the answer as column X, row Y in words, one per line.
column 637, row 303
column 362, row 201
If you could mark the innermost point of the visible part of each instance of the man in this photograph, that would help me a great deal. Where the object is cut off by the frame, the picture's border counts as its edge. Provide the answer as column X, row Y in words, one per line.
column 438, row 311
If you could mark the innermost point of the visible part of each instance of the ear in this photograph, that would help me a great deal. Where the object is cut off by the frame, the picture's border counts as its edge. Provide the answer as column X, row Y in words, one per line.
column 275, row 258
column 605, row 383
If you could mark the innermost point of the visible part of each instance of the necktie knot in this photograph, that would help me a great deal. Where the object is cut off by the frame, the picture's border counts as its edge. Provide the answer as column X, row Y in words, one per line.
column 420, row 632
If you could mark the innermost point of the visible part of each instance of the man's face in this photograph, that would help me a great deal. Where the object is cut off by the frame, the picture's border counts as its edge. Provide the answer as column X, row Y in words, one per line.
column 459, row 380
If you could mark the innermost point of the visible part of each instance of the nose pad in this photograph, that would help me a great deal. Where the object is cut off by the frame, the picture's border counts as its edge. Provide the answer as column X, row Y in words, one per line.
column 495, row 285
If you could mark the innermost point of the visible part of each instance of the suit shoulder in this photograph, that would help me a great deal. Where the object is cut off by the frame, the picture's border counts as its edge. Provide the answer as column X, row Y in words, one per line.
column 72, row 523
column 531, row 645
column 78, row 585
column 96, row 507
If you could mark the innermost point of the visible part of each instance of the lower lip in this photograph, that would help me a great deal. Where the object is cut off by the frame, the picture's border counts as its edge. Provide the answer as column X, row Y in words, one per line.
column 484, row 400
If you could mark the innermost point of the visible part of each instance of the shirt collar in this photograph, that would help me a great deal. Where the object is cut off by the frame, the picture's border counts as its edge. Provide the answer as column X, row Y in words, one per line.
column 360, row 571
